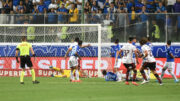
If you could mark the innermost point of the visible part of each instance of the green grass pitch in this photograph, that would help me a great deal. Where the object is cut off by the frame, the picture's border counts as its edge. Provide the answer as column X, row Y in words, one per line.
column 91, row 89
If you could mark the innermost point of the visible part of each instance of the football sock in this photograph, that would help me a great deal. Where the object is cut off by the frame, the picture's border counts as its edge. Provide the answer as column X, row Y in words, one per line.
column 173, row 75
column 56, row 69
column 134, row 75
column 158, row 78
column 127, row 75
column 72, row 75
column 162, row 74
column 77, row 74
column 22, row 76
column 33, row 74
column 118, row 75
column 148, row 73
column 143, row 74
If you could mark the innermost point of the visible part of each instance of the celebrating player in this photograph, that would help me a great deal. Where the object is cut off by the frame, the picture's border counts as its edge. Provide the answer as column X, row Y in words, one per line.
column 148, row 61
column 110, row 76
column 25, row 59
column 73, row 60
column 127, row 59
column 117, row 64
column 169, row 61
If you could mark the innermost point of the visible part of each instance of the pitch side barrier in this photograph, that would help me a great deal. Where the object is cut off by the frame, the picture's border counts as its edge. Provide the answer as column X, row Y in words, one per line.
column 59, row 49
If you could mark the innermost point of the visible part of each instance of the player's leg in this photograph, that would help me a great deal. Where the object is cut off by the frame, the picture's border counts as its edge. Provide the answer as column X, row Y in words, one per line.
column 72, row 74
column 127, row 74
column 157, row 76
column 30, row 65
column 22, row 65
column 170, row 70
column 148, row 73
column 142, row 68
column 164, row 69
column 117, row 65
column 134, row 76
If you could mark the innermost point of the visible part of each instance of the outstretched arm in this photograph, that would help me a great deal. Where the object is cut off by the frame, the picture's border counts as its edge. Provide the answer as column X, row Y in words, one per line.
column 17, row 51
column 83, row 46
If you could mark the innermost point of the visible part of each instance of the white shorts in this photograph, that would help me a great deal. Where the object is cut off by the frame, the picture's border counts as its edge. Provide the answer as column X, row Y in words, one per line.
column 134, row 61
column 73, row 61
column 117, row 64
column 169, row 65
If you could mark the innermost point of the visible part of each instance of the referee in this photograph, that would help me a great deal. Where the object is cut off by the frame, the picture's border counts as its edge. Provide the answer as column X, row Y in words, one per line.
column 24, row 47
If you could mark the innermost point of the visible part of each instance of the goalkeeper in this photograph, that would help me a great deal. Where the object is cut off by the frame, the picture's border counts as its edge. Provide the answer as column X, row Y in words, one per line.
column 24, row 47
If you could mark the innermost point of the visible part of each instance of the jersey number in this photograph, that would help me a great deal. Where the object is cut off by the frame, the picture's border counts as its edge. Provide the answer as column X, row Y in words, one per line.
column 126, row 52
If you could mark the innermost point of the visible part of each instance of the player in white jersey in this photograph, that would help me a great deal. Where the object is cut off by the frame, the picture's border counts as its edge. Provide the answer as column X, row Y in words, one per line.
column 73, row 62
column 127, row 59
column 148, row 61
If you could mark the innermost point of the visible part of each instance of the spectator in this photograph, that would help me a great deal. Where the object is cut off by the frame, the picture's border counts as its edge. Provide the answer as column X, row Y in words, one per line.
column 3, row 17
column 170, row 4
column 41, row 7
column 73, row 13
column 132, row 16
column 177, row 28
column 94, row 7
column 79, row 4
column 29, row 6
column 62, row 14
column 47, row 3
column 112, row 10
column 87, row 7
column 138, row 6
column 121, row 8
column 8, row 6
column 106, row 6
column 20, row 8
column 36, row 2
column 52, row 17
column 129, row 5
column 177, row 6
column 107, row 20
column 53, row 5
column 150, row 6
column 1, row 5
column 15, row 3
column 143, row 15
column 94, row 18
column 68, row 3
column 11, row 17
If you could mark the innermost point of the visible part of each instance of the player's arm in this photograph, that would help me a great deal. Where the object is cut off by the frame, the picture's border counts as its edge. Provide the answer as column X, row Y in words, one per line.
column 136, row 55
column 171, row 54
column 32, row 51
column 83, row 46
column 17, row 51
column 78, row 56
column 145, row 54
column 69, row 49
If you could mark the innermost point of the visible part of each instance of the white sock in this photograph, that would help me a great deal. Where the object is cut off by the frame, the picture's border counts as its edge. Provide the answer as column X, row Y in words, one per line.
column 148, row 73
column 72, row 75
column 77, row 74
column 173, row 75
column 118, row 76
column 162, row 74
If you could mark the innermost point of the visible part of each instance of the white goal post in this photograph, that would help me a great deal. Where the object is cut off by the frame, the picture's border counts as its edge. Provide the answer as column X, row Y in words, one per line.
column 14, row 30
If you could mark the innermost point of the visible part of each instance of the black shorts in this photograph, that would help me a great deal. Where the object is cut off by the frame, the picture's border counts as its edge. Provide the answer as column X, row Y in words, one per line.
column 130, row 66
column 150, row 65
column 25, row 60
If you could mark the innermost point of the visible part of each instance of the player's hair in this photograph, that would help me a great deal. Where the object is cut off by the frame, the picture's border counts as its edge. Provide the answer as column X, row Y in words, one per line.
column 116, row 41
column 148, row 38
column 169, row 42
column 104, row 72
column 131, row 38
column 80, row 43
column 143, row 41
column 23, row 38
column 76, row 39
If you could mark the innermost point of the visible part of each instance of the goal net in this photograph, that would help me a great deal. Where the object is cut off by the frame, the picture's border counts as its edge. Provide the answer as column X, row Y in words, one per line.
column 50, row 43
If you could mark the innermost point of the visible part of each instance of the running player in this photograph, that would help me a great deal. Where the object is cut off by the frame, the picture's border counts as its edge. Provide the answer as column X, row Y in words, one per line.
column 127, row 59
column 24, row 48
column 148, row 61
column 117, row 64
column 110, row 76
column 169, row 62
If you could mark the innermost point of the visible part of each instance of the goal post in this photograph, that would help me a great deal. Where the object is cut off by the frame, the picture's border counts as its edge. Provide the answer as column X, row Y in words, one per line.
column 47, row 33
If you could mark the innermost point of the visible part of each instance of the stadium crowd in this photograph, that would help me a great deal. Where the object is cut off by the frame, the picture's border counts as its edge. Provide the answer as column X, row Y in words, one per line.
column 117, row 14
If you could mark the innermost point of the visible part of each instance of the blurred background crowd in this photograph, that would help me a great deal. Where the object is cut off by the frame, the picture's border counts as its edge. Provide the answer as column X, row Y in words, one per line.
column 159, row 19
